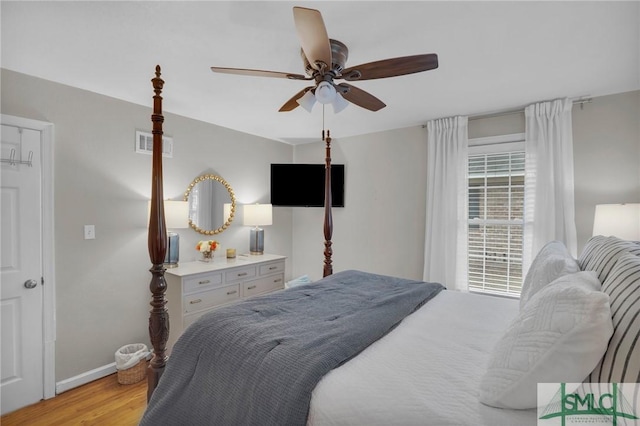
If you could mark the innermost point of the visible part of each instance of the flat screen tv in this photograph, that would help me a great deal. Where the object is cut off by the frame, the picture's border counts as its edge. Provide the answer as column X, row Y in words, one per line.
column 302, row 185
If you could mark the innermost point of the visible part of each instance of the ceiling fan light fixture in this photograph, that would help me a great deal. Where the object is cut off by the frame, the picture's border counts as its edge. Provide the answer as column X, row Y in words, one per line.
column 339, row 103
column 325, row 92
column 307, row 101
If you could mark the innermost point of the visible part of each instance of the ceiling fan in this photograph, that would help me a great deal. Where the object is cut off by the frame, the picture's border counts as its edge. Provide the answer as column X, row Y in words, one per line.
column 324, row 62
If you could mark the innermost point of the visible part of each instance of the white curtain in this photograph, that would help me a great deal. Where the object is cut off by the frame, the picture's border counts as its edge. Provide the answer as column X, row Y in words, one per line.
column 445, row 259
column 549, row 204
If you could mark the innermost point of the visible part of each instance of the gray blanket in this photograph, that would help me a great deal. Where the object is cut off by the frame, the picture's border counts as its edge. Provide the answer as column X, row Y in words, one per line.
column 258, row 361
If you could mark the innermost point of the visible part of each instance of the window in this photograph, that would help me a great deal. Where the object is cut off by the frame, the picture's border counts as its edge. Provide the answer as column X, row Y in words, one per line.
column 496, row 206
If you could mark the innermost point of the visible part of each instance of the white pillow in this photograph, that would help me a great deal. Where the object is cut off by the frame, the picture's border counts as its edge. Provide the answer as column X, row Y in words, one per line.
column 552, row 261
column 304, row 279
column 559, row 336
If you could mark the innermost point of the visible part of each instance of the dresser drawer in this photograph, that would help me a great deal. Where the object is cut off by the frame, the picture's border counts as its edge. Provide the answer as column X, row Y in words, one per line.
column 272, row 268
column 202, row 282
column 240, row 274
column 207, row 299
column 196, row 288
column 262, row 285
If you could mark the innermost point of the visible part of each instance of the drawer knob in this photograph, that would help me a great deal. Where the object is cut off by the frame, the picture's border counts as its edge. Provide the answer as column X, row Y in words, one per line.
column 242, row 274
column 204, row 282
column 251, row 287
column 193, row 302
column 229, row 293
column 277, row 280
column 271, row 268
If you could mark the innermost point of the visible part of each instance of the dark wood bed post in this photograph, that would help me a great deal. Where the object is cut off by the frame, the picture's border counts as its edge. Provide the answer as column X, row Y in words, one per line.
column 328, row 219
column 157, row 242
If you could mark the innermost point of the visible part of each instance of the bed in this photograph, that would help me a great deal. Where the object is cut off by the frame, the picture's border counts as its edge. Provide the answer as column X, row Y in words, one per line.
column 425, row 372
column 358, row 348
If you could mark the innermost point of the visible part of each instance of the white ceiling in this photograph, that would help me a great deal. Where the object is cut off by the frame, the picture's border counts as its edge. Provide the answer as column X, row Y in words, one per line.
column 493, row 56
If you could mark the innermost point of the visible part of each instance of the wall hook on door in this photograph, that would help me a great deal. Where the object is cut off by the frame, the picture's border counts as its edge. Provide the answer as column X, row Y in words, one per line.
column 12, row 159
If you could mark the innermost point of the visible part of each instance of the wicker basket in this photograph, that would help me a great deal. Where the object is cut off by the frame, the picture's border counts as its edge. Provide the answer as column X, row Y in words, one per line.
column 134, row 374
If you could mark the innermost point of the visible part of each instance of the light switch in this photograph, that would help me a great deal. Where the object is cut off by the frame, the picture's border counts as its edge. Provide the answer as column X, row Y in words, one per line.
column 89, row 232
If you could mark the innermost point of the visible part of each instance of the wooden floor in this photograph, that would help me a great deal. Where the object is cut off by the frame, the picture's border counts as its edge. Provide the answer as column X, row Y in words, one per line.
column 102, row 402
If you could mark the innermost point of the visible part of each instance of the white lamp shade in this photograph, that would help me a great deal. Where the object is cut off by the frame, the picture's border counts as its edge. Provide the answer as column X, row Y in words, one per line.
column 619, row 220
column 325, row 93
column 339, row 103
column 257, row 214
column 307, row 101
column 176, row 214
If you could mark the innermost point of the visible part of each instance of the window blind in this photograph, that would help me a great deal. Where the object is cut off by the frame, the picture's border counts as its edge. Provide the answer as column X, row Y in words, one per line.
column 496, row 201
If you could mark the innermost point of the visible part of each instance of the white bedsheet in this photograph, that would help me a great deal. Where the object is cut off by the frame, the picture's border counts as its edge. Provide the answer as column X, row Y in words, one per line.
column 425, row 372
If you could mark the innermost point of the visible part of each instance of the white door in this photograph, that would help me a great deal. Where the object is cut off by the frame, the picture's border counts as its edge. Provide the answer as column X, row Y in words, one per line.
column 21, row 290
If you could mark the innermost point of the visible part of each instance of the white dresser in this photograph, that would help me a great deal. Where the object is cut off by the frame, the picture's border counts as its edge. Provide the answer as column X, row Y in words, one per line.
column 195, row 288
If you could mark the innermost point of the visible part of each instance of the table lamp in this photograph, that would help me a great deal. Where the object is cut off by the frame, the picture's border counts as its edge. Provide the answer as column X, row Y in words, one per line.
column 257, row 215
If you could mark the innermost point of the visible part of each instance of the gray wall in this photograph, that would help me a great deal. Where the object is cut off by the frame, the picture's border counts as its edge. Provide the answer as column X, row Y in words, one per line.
column 103, row 284
column 606, row 144
column 381, row 227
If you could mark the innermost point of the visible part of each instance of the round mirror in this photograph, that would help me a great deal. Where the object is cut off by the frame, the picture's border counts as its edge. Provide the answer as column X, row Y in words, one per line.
column 207, row 196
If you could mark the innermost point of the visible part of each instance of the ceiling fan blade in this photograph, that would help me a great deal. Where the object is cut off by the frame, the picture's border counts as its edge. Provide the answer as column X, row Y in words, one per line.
column 391, row 67
column 291, row 104
column 313, row 36
column 260, row 73
column 360, row 97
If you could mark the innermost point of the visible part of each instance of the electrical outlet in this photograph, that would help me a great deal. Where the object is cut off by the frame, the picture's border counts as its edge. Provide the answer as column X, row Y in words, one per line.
column 89, row 232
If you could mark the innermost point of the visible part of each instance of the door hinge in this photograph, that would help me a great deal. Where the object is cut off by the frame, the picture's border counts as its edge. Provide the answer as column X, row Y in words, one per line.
column 41, row 280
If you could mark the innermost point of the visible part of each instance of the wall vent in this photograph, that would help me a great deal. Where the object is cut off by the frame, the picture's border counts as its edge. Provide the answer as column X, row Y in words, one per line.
column 144, row 144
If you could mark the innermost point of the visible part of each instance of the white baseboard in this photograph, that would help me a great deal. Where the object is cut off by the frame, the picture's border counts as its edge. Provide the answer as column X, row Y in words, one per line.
column 86, row 377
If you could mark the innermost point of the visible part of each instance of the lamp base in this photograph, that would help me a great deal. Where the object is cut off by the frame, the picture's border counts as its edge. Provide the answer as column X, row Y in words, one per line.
column 256, row 241
column 173, row 250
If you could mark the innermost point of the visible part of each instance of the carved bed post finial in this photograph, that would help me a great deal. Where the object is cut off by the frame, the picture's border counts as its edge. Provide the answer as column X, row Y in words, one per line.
column 157, row 244
column 328, row 219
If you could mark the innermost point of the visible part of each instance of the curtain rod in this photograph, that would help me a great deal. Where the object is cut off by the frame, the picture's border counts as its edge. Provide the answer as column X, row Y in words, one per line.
column 519, row 110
